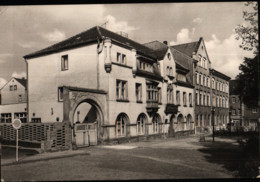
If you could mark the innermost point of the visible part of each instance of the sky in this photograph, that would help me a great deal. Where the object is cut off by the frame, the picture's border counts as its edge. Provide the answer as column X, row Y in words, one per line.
column 26, row 29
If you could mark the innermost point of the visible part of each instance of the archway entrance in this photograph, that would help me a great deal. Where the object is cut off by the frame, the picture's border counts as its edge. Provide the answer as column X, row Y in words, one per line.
column 86, row 119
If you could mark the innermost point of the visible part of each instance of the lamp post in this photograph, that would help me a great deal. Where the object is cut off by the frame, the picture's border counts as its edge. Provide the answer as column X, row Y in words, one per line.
column 229, row 128
column 213, row 123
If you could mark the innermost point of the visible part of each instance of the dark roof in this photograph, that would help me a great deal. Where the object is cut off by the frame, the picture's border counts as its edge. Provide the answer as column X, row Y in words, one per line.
column 184, row 84
column 181, row 68
column 159, row 48
column 220, row 75
column 23, row 81
column 90, row 36
column 180, row 58
column 233, row 87
column 188, row 48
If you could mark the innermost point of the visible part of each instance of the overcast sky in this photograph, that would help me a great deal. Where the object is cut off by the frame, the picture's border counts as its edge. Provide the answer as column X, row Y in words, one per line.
column 25, row 29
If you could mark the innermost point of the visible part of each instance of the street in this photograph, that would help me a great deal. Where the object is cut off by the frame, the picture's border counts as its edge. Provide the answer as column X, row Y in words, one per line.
column 172, row 158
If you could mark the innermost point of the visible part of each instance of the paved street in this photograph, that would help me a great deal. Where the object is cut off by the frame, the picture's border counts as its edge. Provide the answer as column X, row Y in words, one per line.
column 172, row 158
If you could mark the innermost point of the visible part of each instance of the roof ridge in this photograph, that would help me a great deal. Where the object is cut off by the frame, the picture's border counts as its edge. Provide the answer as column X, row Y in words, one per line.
column 185, row 43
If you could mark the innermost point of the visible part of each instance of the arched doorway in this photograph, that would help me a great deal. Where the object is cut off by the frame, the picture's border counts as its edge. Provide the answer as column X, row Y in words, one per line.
column 172, row 127
column 140, row 124
column 86, row 121
column 121, row 129
column 180, row 122
column 156, row 123
column 189, row 124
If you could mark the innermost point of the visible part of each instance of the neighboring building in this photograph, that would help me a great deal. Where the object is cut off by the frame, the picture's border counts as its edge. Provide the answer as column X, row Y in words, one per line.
column 13, row 100
column 106, row 80
column 241, row 115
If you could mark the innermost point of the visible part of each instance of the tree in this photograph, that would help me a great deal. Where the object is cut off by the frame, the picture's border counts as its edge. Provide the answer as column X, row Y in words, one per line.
column 248, row 32
column 248, row 81
column 248, row 77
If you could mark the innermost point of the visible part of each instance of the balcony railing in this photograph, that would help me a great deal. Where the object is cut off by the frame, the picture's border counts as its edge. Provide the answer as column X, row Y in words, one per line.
column 171, row 109
column 152, row 106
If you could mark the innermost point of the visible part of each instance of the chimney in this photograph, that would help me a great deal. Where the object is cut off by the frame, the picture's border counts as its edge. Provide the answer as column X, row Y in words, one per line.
column 165, row 42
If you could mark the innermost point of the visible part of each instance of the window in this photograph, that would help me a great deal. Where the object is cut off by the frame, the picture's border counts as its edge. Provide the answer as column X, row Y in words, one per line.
column 11, row 88
column 6, row 117
column 203, row 83
column 178, row 97
column 121, row 125
column 20, row 98
column 197, row 99
column 200, row 79
column 60, row 94
column 239, row 111
column 190, row 99
column 21, row 116
column 184, row 99
column 159, row 95
column 254, row 110
column 121, row 90
column 123, row 59
column 138, row 92
column 207, row 100
column 217, row 101
column 15, row 87
column 36, row 120
column 64, row 63
column 152, row 92
column 233, row 100
column 141, row 124
column 118, row 57
column 196, row 79
column 155, row 123
column 200, row 99
column 213, row 83
column 169, row 94
column 213, row 100
column 233, row 112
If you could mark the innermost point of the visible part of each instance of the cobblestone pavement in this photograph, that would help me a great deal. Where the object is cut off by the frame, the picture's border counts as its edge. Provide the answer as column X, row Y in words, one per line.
column 172, row 158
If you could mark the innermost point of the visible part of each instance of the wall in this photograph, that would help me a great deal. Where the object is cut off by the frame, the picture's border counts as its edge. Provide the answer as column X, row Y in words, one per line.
column 12, row 97
column 45, row 76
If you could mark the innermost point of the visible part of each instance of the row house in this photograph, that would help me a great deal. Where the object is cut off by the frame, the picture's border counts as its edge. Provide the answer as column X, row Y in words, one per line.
column 13, row 99
column 240, row 114
column 103, row 80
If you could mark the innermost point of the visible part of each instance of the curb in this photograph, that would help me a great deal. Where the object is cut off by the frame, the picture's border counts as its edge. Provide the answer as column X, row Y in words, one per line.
column 43, row 159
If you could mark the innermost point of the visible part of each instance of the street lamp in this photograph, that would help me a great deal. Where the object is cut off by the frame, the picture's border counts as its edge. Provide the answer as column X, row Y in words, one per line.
column 213, row 123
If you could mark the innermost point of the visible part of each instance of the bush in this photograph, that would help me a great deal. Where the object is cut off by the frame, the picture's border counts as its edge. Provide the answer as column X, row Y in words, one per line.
column 248, row 167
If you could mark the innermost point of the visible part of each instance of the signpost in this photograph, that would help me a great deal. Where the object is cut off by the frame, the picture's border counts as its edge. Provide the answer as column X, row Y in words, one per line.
column 17, row 125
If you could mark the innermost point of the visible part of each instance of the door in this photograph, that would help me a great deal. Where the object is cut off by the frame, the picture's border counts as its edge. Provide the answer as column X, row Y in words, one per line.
column 86, row 134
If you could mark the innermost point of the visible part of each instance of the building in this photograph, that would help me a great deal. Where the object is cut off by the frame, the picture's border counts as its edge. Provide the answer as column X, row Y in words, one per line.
column 13, row 99
column 241, row 115
column 121, row 89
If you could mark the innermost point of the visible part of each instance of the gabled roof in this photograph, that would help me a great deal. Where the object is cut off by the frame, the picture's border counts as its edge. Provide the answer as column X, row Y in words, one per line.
column 90, row 36
column 22, row 81
column 220, row 75
column 180, row 58
column 159, row 48
column 188, row 48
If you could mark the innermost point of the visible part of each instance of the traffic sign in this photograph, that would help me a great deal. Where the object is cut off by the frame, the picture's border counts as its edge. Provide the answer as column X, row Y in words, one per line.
column 17, row 124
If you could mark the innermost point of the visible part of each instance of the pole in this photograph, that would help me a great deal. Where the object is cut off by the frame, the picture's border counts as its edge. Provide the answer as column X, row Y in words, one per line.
column 213, row 124
column 17, row 145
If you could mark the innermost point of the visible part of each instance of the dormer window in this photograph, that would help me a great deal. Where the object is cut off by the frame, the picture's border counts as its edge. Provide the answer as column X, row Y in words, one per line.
column 120, row 58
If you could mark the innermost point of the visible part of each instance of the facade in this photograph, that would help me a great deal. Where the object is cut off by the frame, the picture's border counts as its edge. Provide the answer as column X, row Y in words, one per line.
column 98, row 78
column 241, row 115
column 13, row 100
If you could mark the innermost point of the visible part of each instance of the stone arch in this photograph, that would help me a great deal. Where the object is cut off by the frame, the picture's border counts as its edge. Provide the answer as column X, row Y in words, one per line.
column 122, row 128
column 94, row 101
column 188, row 122
column 141, row 122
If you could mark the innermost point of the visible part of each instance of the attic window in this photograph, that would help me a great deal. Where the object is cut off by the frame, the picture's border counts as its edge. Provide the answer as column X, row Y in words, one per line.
column 169, row 56
column 201, row 47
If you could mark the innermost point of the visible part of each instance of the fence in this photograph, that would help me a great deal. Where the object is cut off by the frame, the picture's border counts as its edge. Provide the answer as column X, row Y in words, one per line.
column 51, row 136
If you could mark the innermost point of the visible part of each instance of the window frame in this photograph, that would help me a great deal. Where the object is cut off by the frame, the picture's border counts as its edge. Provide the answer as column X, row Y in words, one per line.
column 60, row 94
column 64, row 59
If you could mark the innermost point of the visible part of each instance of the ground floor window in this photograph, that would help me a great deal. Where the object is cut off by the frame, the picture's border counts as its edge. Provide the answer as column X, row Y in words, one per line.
column 6, row 117
column 155, row 123
column 36, row 120
column 141, row 124
column 21, row 116
column 121, row 125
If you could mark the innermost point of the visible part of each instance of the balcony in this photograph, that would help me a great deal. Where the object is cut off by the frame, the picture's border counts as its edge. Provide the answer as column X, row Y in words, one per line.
column 171, row 109
column 152, row 106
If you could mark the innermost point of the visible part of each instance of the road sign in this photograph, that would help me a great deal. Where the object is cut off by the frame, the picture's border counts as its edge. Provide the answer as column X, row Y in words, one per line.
column 17, row 124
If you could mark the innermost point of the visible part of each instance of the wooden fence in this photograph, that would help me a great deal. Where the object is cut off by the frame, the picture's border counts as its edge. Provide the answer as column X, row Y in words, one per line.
column 51, row 136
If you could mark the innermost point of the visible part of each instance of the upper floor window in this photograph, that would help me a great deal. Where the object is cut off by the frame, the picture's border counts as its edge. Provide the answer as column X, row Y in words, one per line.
column 19, row 98
column 15, row 87
column 121, row 90
column 145, row 66
column 60, row 94
column 233, row 99
column 169, row 94
column 138, row 92
column 233, row 112
column 11, row 88
column 178, row 97
column 181, row 77
column 200, row 79
column 213, row 83
column 200, row 99
column 197, row 98
column 204, row 83
column 190, row 99
column 120, row 58
column 64, row 62
column 159, row 94
column 152, row 92
column 184, row 99
column 254, row 110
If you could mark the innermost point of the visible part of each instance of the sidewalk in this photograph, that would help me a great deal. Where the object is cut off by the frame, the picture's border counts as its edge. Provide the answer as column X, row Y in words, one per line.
column 44, row 156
